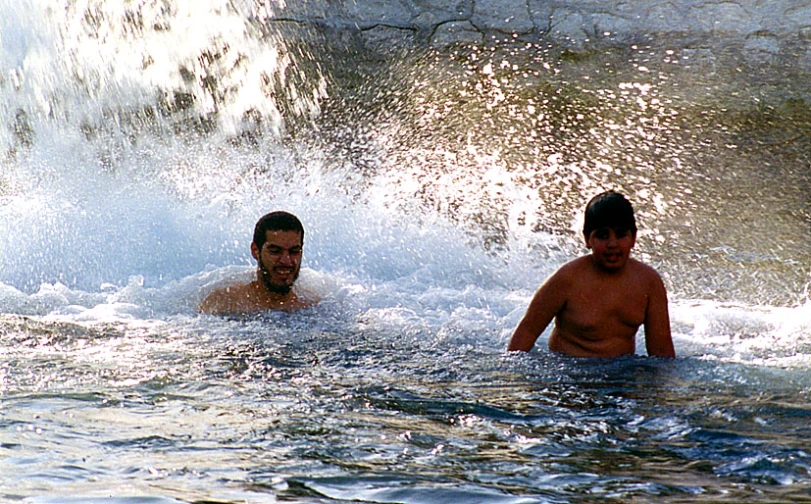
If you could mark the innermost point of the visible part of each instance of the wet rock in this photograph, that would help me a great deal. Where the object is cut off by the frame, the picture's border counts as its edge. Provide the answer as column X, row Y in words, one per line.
column 384, row 39
column 507, row 16
column 457, row 9
column 369, row 13
column 617, row 28
column 311, row 9
column 568, row 29
column 431, row 20
column 575, row 25
column 456, row 32
column 667, row 18
column 700, row 59
column 723, row 18
column 787, row 18
column 540, row 11
column 762, row 48
column 804, row 62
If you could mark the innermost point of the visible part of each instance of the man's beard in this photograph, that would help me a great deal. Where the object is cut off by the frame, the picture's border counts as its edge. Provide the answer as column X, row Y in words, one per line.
column 276, row 289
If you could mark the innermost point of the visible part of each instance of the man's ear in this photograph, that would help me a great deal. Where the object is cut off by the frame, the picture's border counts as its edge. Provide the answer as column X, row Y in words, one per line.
column 586, row 240
column 254, row 251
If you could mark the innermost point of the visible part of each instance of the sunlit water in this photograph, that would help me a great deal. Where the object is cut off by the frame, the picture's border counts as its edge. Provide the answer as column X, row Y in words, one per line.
column 437, row 191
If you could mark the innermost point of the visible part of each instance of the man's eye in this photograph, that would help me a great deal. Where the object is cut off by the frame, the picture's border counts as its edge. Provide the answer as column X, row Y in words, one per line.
column 279, row 251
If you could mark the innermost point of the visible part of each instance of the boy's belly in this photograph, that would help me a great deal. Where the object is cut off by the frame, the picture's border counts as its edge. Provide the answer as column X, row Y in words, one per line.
column 593, row 344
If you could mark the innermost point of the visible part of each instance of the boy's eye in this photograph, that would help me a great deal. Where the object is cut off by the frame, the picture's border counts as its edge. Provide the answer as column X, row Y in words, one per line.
column 605, row 233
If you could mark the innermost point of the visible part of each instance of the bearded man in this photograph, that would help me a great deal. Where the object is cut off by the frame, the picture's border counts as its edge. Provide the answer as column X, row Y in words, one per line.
column 278, row 244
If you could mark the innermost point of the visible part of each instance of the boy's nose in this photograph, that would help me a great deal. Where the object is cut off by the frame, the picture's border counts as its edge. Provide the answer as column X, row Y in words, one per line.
column 612, row 238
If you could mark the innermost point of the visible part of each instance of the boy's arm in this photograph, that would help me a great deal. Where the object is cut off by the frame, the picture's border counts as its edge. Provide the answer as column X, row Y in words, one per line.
column 658, row 340
column 545, row 304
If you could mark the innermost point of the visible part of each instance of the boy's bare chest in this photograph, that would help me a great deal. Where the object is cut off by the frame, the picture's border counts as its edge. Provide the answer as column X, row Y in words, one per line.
column 603, row 307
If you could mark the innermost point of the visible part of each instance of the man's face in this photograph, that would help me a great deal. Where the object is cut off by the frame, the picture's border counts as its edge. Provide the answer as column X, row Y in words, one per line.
column 279, row 260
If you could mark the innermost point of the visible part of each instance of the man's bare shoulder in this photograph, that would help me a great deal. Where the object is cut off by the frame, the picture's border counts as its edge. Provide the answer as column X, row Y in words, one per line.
column 245, row 299
column 224, row 299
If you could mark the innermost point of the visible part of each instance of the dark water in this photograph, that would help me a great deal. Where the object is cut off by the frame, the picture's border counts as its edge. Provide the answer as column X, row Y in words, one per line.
column 299, row 409
column 438, row 190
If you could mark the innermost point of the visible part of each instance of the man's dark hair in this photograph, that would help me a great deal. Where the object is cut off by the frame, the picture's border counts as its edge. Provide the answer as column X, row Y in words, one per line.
column 609, row 210
column 276, row 221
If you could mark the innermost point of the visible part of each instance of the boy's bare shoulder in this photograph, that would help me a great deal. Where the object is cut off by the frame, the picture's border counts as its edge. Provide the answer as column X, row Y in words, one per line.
column 574, row 269
column 570, row 276
column 642, row 268
column 644, row 271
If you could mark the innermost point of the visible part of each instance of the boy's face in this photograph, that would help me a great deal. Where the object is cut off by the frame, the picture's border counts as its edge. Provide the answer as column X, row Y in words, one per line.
column 611, row 248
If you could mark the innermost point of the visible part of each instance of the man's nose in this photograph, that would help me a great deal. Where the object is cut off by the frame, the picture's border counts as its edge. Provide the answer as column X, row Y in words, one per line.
column 286, row 258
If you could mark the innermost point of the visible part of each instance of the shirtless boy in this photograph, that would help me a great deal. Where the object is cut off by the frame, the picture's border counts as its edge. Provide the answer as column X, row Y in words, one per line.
column 277, row 246
column 598, row 301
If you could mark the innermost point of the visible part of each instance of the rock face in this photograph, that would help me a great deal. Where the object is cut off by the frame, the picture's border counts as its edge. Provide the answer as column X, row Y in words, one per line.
column 728, row 48
column 576, row 24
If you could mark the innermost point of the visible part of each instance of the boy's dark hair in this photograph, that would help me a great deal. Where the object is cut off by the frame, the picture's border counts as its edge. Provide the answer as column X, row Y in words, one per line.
column 609, row 209
column 276, row 221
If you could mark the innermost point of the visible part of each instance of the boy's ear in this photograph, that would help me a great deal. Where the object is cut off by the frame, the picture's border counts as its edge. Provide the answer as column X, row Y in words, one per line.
column 586, row 240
